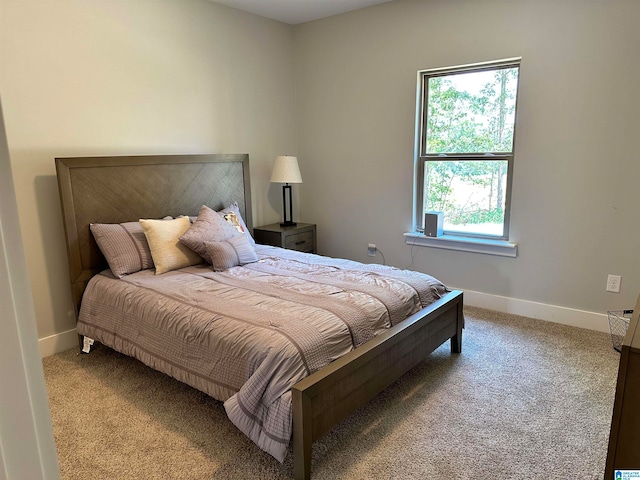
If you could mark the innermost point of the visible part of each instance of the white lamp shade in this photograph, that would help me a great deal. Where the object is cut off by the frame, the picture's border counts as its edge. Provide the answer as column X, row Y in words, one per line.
column 285, row 170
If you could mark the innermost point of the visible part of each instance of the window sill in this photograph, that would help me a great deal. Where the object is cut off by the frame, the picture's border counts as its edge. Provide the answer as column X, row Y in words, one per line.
column 464, row 244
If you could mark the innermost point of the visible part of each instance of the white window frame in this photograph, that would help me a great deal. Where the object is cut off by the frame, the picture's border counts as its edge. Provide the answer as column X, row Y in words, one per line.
column 497, row 245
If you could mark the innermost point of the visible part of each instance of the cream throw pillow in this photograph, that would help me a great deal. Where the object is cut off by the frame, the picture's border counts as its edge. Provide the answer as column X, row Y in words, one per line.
column 167, row 251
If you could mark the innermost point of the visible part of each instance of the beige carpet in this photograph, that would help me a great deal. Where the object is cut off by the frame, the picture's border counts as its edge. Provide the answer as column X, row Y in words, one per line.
column 526, row 399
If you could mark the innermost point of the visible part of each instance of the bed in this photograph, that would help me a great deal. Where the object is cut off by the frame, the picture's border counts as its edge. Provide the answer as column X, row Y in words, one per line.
column 321, row 386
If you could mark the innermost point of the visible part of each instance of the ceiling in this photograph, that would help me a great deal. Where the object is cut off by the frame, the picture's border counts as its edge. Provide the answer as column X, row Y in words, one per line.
column 298, row 11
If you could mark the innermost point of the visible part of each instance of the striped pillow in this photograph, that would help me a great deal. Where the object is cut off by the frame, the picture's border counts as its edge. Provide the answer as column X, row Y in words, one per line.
column 124, row 246
column 231, row 253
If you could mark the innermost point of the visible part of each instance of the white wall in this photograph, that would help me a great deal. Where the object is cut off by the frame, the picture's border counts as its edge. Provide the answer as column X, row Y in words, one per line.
column 574, row 210
column 109, row 77
column 27, row 449
column 133, row 77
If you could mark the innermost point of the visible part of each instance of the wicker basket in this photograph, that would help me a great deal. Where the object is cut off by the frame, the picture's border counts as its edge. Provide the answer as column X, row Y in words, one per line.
column 618, row 324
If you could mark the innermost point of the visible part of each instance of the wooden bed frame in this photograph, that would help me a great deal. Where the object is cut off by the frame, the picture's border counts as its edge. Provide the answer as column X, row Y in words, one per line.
column 120, row 189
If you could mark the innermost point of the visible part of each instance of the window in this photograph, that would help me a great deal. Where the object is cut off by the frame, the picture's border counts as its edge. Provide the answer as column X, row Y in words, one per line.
column 465, row 147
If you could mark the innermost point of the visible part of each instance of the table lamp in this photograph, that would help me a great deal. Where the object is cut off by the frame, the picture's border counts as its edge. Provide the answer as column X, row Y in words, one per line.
column 285, row 170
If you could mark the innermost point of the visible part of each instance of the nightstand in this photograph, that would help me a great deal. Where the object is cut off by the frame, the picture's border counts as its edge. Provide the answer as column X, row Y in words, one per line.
column 301, row 237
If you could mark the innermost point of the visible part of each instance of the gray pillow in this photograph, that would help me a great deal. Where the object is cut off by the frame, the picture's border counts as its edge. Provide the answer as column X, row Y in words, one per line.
column 231, row 253
column 208, row 227
column 124, row 245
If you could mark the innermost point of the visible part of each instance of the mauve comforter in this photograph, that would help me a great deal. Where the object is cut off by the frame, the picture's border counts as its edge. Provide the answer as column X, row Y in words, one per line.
column 246, row 335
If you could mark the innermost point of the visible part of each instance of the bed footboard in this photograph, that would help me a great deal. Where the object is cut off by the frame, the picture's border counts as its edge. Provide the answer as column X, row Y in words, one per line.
column 328, row 396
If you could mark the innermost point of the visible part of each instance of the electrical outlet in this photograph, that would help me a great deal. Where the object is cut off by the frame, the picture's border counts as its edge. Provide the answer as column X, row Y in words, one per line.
column 372, row 249
column 613, row 283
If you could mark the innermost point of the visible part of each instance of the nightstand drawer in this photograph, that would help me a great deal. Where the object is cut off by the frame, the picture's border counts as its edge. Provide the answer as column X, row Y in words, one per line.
column 302, row 242
column 300, row 237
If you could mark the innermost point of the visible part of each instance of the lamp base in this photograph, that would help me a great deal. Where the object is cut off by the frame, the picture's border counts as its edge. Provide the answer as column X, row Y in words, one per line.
column 288, row 221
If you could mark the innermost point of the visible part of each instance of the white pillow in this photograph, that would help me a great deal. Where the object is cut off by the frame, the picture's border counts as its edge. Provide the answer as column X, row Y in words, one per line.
column 167, row 251
column 233, row 216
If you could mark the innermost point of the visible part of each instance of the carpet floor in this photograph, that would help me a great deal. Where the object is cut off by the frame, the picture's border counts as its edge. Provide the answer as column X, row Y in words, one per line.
column 526, row 399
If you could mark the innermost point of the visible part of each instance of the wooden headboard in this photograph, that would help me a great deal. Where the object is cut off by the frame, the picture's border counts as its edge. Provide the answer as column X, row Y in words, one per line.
column 124, row 189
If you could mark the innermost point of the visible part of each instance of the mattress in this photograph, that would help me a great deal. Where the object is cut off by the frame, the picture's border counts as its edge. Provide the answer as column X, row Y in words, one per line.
column 246, row 335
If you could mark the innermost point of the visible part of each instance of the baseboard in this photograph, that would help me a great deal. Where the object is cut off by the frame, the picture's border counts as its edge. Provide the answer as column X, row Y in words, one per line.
column 58, row 343
column 541, row 311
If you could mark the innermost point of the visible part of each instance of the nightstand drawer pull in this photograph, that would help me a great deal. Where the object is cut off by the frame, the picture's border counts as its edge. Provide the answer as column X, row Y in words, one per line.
column 299, row 241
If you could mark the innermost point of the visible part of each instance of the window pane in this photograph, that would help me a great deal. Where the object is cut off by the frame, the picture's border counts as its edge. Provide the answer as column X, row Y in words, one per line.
column 471, row 112
column 470, row 193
